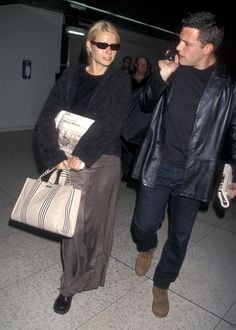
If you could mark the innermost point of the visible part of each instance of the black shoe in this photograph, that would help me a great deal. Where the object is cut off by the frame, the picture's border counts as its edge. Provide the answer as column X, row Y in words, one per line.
column 62, row 304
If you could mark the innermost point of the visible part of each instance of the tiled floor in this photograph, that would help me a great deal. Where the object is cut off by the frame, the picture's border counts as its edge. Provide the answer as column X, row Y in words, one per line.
column 203, row 297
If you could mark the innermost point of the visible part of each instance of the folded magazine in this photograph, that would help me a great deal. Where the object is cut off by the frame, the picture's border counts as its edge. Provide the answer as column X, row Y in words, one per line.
column 71, row 128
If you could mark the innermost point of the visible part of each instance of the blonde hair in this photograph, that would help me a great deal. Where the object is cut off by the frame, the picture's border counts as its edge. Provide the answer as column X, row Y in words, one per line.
column 101, row 26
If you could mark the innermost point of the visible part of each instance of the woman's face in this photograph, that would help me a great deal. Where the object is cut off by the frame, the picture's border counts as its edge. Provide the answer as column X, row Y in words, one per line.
column 99, row 56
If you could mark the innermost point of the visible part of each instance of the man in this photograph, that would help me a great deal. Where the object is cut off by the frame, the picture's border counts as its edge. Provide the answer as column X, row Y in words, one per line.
column 141, row 66
column 137, row 121
column 126, row 64
column 181, row 159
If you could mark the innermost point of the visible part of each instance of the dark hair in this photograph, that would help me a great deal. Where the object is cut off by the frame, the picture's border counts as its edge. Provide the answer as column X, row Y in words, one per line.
column 141, row 56
column 209, row 25
column 126, row 58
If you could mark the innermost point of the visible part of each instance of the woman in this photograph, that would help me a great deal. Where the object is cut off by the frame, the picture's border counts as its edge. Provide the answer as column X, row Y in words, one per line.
column 102, row 93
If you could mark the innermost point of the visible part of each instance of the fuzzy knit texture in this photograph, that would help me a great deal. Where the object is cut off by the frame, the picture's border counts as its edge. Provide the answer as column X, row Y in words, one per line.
column 108, row 106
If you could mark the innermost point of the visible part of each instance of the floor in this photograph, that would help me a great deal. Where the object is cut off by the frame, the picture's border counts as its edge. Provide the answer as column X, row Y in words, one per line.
column 203, row 297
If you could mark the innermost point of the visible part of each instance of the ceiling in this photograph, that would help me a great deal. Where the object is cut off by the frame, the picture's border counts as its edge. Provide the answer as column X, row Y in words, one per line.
column 144, row 11
column 141, row 10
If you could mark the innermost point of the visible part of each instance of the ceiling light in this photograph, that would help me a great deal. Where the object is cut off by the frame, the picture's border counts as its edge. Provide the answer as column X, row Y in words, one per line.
column 80, row 5
column 75, row 30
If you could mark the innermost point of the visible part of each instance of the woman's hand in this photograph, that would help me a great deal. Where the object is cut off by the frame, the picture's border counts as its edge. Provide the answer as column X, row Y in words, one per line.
column 75, row 164
column 63, row 165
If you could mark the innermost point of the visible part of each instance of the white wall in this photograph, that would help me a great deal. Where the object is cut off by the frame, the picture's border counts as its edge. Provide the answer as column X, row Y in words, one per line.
column 137, row 44
column 32, row 34
column 35, row 34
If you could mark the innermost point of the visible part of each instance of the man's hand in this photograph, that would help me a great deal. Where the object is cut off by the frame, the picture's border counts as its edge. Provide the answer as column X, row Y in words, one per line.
column 232, row 190
column 168, row 67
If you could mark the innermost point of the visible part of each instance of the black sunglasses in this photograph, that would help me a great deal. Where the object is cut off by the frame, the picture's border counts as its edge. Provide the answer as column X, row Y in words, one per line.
column 104, row 45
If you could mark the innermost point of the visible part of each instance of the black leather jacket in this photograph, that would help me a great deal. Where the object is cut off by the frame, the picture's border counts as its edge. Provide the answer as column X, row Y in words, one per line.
column 215, row 119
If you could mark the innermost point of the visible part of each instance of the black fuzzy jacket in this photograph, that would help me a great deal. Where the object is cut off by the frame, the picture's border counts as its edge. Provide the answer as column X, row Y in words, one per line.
column 108, row 107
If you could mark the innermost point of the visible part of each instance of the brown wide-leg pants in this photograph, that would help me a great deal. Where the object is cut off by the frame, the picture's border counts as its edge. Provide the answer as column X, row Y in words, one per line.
column 85, row 256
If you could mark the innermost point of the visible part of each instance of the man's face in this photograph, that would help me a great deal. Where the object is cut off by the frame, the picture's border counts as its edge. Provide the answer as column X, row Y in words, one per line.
column 190, row 49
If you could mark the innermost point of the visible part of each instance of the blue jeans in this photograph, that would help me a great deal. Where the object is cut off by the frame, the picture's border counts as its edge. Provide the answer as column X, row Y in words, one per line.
column 152, row 204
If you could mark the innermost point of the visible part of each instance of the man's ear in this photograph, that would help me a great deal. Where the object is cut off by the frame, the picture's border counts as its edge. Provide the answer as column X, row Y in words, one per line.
column 208, row 48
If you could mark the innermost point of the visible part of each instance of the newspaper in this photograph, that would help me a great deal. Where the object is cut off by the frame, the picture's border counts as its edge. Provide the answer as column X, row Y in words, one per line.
column 71, row 128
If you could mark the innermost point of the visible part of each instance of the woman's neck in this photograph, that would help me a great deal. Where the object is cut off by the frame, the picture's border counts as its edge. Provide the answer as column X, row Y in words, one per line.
column 96, row 70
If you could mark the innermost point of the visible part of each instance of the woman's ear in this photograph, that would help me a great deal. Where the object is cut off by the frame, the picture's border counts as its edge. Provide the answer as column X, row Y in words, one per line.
column 88, row 45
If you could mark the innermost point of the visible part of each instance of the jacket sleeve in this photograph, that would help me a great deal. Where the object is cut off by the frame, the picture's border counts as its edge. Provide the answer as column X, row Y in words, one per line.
column 152, row 91
column 46, row 134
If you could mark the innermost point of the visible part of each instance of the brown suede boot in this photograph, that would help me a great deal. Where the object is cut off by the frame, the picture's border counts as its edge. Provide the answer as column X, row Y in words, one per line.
column 143, row 262
column 160, row 305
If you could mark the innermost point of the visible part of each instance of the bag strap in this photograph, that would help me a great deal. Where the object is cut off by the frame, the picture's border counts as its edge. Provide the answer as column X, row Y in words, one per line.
column 64, row 177
column 53, row 176
column 224, row 199
column 222, row 193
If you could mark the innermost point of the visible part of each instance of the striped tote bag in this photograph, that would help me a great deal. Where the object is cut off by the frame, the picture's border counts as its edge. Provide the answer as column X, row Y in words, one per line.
column 51, row 205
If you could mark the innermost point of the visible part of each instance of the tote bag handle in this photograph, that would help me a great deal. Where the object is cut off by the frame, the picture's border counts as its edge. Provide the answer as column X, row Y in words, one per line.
column 63, row 176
